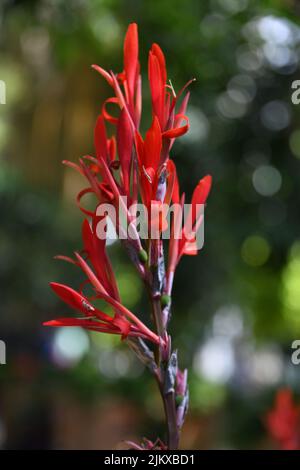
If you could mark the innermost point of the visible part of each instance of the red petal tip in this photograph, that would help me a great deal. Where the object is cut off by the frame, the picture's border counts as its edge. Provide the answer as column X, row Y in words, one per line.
column 50, row 323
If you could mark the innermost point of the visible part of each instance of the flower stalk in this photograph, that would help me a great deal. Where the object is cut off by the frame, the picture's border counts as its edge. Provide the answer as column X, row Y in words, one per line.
column 126, row 164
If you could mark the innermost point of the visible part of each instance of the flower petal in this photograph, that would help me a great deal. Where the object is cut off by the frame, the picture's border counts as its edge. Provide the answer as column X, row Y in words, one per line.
column 100, row 138
column 106, row 114
column 131, row 51
column 157, row 87
column 125, row 146
column 153, row 145
column 179, row 130
column 79, row 197
column 104, row 74
column 202, row 190
column 74, row 166
column 156, row 50
column 73, row 298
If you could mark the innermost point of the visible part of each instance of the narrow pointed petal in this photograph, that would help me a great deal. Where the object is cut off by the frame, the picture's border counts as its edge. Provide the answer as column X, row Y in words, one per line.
column 74, row 166
column 138, row 102
column 188, row 245
column 182, row 112
column 88, row 324
column 176, row 192
column 90, row 175
column 190, row 248
column 125, row 146
column 65, row 258
column 156, row 50
column 183, row 107
column 73, row 298
column 153, row 145
column 90, row 274
column 139, row 145
column 104, row 74
column 94, row 247
column 100, row 138
column 122, row 310
column 123, row 324
column 176, row 235
column 157, row 88
column 199, row 197
column 71, row 322
column 131, row 51
column 78, row 201
column 106, row 114
column 179, row 130
column 202, row 190
column 172, row 184
column 112, row 146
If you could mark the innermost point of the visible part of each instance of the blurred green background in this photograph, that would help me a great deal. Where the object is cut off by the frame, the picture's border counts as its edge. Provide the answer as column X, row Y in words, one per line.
column 236, row 305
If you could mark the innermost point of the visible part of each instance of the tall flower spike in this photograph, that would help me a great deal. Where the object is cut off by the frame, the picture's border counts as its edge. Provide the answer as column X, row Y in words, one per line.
column 127, row 168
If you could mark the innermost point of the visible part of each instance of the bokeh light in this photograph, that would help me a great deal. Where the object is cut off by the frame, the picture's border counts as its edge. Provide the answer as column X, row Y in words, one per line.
column 69, row 346
column 255, row 250
column 266, row 180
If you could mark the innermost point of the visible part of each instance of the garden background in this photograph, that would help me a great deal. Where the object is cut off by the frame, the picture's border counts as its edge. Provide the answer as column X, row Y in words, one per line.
column 236, row 305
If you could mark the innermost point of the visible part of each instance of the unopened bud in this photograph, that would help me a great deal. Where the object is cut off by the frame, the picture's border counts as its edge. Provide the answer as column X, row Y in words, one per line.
column 179, row 399
column 143, row 257
column 165, row 300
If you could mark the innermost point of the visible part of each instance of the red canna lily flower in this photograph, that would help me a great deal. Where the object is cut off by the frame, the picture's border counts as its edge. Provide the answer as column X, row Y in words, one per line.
column 283, row 422
column 130, row 97
column 187, row 245
column 156, row 180
column 125, row 169
column 148, row 154
column 125, row 163
column 94, row 248
column 124, row 322
column 164, row 102
column 147, row 161
column 164, row 98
